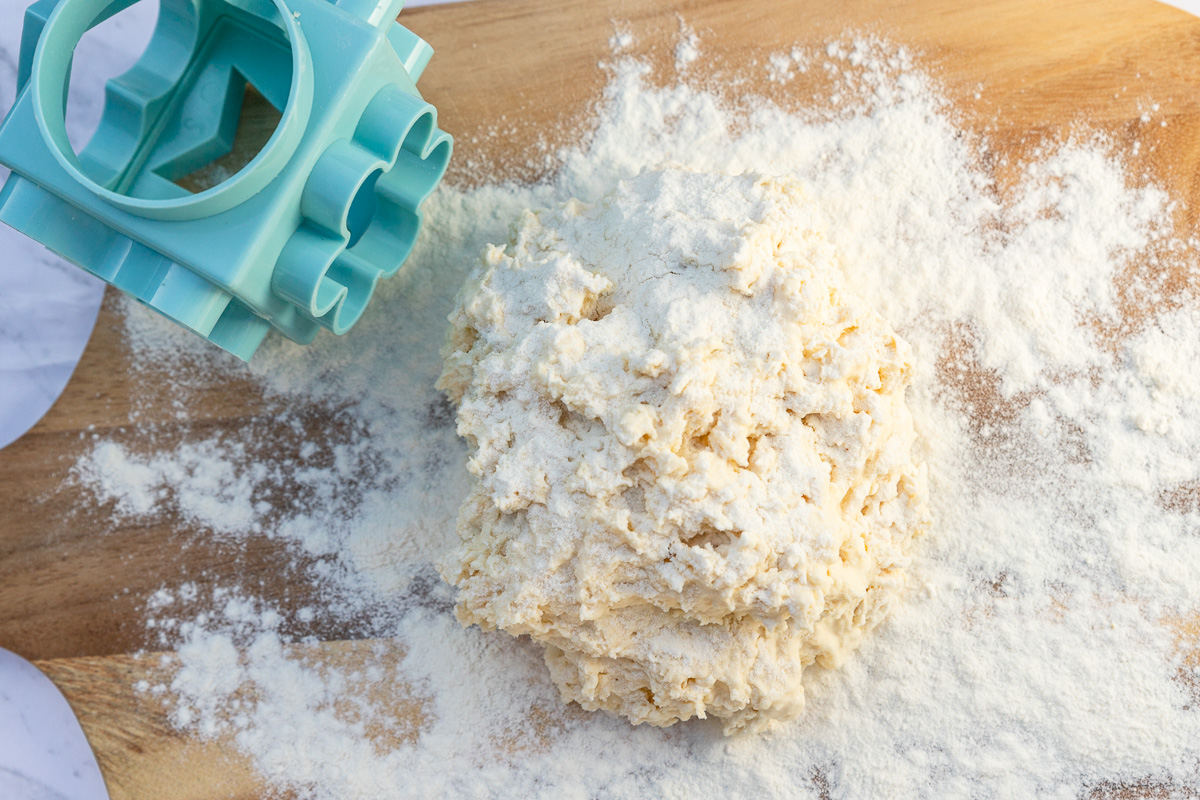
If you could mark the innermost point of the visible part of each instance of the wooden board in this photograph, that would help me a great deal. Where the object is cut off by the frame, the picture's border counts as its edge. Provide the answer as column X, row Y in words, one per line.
column 72, row 578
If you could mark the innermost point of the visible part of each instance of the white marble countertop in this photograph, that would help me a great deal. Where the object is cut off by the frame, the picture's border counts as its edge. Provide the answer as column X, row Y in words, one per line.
column 47, row 306
column 43, row 752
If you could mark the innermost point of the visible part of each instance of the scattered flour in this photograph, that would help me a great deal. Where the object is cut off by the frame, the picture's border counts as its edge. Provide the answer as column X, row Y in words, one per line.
column 203, row 486
column 620, row 40
column 687, row 49
column 1039, row 652
column 783, row 67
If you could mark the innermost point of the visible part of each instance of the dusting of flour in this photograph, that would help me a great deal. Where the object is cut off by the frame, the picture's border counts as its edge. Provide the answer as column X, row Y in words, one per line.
column 1037, row 652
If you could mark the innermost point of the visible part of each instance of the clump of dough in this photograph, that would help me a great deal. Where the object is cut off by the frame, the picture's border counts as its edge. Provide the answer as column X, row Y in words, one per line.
column 691, row 455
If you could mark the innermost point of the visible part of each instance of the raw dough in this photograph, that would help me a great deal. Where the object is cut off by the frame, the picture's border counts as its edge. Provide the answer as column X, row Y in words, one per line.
column 691, row 455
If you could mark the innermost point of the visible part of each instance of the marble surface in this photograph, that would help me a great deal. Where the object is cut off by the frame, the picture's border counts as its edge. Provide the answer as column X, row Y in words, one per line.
column 43, row 752
column 47, row 306
column 1190, row 6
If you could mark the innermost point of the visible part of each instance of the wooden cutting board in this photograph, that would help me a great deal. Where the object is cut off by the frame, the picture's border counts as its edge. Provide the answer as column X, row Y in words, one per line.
column 72, row 580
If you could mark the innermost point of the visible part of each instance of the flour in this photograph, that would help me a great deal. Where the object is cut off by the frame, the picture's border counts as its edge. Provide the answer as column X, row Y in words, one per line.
column 687, row 49
column 1039, row 650
column 783, row 67
column 620, row 40
column 203, row 488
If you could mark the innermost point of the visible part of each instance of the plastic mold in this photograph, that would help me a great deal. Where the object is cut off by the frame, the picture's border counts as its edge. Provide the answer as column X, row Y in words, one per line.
column 295, row 240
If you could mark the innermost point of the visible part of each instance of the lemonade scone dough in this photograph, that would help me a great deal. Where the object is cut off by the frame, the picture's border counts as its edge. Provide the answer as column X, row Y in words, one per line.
column 692, row 463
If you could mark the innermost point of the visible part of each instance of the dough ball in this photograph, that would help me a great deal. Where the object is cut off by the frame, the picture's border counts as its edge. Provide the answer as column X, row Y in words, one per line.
column 691, row 458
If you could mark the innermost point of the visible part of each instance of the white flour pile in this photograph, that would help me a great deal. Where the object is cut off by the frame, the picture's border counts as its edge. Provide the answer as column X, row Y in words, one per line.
column 1036, row 651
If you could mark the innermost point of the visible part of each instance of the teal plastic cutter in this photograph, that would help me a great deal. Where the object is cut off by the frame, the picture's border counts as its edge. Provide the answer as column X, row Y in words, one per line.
column 298, row 237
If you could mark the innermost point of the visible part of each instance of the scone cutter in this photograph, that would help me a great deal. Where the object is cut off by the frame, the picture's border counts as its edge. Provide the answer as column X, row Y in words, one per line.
column 298, row 237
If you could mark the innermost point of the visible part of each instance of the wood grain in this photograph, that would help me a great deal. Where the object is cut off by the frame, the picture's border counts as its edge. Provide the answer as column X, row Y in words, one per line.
column 513, row 79
column 139, row 754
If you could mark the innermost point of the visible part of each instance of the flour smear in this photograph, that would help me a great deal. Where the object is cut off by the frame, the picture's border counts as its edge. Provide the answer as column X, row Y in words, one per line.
column 1041, row 647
